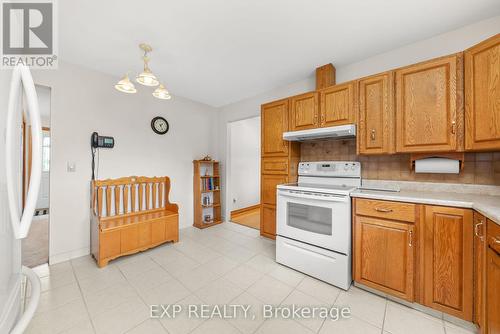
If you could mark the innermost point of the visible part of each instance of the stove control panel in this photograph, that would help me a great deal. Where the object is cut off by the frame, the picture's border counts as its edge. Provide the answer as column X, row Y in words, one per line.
column 330, row 168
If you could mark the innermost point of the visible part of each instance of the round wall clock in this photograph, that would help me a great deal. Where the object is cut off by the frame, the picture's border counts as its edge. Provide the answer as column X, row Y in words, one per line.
column 159, row 125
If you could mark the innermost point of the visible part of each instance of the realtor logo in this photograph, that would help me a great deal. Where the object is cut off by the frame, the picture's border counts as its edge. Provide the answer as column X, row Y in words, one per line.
column 28, row 34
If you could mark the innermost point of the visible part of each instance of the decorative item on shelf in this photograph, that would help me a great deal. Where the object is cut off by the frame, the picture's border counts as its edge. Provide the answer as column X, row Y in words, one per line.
column 207, row 158
column 145, row 78
column 208, row 219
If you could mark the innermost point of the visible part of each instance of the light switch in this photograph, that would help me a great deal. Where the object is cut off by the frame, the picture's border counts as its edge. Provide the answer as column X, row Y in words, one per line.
column 71, row 167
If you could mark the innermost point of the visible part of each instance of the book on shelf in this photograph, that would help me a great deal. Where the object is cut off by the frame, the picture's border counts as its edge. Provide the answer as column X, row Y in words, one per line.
column 208, row 184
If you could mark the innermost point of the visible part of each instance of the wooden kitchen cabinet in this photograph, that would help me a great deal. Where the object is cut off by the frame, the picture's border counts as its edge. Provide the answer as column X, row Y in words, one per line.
column 279, row 158
column 479, row 269
column 337, row 105
column 492, row 293
column 385, row 255
column 447, row 264
column 376, row 114
column 482, row 95
column 304, row 111
column 268, row 187
column 268, row 223
column 429, row 112
column 274, row 121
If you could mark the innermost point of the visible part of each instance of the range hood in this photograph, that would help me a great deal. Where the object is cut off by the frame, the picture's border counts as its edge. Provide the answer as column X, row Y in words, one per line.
column 333, row 132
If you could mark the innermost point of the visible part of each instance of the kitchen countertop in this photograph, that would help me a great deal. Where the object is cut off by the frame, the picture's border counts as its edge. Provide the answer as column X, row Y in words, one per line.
column 487, row 205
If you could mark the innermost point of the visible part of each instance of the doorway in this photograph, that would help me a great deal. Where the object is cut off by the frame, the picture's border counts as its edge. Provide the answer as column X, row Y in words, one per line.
column 35, row 247
column 243, row 174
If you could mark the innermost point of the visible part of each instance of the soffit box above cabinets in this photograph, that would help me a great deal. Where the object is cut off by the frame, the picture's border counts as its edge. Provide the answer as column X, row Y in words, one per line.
column 332, row 132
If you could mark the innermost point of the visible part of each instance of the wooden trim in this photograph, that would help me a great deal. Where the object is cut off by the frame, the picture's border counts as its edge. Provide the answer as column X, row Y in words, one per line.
column 24, row 183
column 325, row 76
column 244, row 210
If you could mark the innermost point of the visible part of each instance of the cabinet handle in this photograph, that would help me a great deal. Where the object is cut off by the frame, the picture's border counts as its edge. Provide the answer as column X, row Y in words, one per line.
column 495, row 240
column 476, row 230
column 315, row 118
column 322, row 119
column 453, row 127
column 372, row 136
column 410, row 243
column 383, row 210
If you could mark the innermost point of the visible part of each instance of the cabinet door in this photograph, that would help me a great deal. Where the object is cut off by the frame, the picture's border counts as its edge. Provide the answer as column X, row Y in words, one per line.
column 274, row 166
column 376, row 114
column 274, row 121
column 427, row 117
column 268, row 187
column 479, row 268
column 447, row 260
column 268, row 221
column 384, row 256
column 337, row 105
column 482, row 95
column 304, row 111
column 493, row 279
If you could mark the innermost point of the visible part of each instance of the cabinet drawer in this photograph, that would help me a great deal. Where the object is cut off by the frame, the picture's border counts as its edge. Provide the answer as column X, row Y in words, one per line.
column 275, row 166
column 386, row 209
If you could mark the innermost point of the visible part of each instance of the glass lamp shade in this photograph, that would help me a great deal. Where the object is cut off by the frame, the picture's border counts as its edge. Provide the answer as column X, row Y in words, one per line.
column 162, row 93
column 126, row 86
column 147, row 78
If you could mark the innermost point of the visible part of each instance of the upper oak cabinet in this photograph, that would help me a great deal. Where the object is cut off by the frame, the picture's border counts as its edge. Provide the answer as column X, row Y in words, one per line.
column 274, row 121
column 429, row 113
column 376, row 114
column 337, row 105
column 304, row 111
column 482, row 95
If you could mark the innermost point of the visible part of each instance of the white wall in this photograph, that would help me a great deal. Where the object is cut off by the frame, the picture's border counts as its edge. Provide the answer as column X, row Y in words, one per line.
column 84, row 101
column 243, row 182
column 450, row 42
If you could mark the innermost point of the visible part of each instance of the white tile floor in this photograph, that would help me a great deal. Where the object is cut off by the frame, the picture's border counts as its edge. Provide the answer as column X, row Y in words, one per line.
column 228, row 263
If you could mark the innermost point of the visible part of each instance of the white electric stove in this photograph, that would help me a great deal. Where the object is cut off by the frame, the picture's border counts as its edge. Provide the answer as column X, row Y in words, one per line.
column 314, row 220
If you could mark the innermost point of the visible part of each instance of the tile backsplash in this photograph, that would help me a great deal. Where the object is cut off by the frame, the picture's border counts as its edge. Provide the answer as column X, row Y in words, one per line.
column 479, row 168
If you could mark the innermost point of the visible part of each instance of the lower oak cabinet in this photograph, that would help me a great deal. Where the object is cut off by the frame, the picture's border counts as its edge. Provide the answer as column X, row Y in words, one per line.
column 492, row 284
column 419, row 253
column 385, row 255
column 447, row 261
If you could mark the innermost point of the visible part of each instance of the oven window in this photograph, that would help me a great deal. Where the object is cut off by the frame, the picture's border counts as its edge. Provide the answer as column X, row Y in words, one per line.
column 310, row 218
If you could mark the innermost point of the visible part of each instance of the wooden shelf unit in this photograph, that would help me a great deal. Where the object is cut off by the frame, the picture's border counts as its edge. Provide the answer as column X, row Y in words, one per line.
column 203, row 172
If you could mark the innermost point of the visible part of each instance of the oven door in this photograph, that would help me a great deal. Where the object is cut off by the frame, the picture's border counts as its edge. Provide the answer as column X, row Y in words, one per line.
column 322, row 220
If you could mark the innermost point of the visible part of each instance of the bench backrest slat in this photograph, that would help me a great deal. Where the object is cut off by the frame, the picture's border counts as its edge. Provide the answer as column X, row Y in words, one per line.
column 129, row 195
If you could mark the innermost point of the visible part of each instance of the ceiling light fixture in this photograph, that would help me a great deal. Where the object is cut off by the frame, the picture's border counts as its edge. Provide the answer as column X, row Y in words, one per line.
column 125, row 85
column 146, row 78
column 162, row 93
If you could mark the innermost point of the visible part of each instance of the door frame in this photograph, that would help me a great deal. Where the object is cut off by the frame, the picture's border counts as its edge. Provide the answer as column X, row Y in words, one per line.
column 227, row 171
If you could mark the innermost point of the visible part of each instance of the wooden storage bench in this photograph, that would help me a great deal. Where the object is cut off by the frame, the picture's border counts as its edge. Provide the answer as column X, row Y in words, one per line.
column 130, row 215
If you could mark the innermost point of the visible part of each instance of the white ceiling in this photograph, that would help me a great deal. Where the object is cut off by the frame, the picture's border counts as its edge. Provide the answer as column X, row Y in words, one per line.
column 221, row 51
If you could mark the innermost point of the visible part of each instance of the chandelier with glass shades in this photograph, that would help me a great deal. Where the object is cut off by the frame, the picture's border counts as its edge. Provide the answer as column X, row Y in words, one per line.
column 146, row 78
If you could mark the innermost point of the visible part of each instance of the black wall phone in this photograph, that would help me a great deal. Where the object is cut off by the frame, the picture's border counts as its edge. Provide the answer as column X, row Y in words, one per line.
column 96, row 142
column 101, row 141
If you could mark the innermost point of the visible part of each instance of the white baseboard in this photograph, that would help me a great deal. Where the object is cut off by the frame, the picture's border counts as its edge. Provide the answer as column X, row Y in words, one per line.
column 62, row 257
